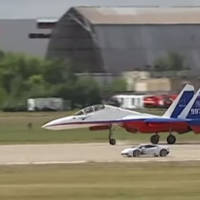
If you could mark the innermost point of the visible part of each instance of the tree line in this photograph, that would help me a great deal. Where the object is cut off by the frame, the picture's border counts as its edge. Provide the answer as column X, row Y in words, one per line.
column 23, row 77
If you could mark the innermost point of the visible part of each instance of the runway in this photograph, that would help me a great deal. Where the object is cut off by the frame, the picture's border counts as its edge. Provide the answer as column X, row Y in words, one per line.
column 91, row 152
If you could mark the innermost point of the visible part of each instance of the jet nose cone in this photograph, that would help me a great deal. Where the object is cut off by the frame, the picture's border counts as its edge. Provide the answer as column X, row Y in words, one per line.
column 48, row 125
column 58, row 124
column 44, row 126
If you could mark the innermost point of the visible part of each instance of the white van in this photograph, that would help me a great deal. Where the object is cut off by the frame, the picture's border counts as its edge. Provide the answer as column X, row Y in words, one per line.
column 130, row 101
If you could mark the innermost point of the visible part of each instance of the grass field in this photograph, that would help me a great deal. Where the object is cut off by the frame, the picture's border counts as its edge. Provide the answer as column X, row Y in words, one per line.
column 14, row 129
column 91, row 181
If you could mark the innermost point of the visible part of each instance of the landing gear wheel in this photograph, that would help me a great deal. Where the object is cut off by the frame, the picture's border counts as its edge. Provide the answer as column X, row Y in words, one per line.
column 155, row 139
column 171, row 139
column 163, row 153
column 136, row 153
column 112, row 141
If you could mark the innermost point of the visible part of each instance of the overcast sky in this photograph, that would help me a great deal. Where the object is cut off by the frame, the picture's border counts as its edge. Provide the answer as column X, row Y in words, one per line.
column 56, row 8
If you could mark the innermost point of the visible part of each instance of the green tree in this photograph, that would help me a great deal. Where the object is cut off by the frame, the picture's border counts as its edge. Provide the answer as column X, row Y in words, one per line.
column 57, row 71
column 82, row 92
column 22, row 77
column 15, row 72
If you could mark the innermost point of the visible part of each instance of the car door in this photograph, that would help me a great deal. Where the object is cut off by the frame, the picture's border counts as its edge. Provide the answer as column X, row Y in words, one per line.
column 152, row 149
column 145, row 149
column 149, row 149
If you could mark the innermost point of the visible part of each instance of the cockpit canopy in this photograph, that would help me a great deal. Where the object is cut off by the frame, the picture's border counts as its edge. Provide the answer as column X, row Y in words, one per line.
column 90, row 109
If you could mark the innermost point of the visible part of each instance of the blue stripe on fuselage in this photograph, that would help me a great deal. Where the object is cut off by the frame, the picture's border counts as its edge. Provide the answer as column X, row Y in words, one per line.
column 194, row 122
column 164, row 120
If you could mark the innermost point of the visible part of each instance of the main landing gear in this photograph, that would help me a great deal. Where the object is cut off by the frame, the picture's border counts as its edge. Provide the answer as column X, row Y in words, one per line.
column 155, row 139
column 112, row 141
column 171, row 139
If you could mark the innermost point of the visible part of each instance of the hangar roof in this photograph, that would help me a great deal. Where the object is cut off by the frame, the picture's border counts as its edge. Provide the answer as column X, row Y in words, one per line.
column 131, row 15
column 33, row 9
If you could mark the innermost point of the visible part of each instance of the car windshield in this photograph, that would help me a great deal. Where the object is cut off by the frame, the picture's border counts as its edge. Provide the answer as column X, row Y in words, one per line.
column 90, row 109
column 140, row 147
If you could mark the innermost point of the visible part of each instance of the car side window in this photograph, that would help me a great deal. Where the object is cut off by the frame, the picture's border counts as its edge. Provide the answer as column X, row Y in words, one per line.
column 149, row 146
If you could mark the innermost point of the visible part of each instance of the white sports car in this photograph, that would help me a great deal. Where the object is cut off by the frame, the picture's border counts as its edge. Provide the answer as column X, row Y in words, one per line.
column 146, row 149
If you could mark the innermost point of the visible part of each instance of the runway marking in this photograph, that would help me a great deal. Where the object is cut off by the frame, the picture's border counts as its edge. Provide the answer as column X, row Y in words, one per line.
column 59, row 162
column 45, row 162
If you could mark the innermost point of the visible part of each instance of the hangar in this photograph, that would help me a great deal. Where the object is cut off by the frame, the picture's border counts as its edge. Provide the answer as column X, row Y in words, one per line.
column 109, row 39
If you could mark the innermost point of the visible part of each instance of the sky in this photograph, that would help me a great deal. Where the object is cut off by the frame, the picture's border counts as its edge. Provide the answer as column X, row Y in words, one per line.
column 33, row 9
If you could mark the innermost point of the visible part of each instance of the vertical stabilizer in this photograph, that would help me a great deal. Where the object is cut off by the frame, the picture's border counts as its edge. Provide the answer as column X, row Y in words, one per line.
column 192, row 110
column 180, row 102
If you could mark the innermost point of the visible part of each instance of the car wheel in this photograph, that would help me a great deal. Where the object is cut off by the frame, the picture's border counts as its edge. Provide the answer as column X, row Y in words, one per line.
column 136, row 153
column 163, row 152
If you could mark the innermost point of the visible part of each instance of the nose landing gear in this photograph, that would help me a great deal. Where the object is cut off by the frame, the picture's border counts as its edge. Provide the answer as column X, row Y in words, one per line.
column 112, row 141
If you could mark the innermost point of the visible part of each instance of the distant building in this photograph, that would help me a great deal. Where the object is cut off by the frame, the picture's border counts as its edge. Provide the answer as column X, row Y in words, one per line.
column 158, row 82
column 100, row 78
column 109, row 39
column 19, row 20
column 153, row 85
column 104, row 39
column 133, row 77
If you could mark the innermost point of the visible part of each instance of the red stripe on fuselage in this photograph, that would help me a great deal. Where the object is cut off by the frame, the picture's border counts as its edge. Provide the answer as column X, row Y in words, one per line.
column 145, row 127
column 196, row 128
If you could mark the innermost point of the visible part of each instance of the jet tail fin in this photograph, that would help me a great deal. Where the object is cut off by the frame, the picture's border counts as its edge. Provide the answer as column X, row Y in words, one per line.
column 180, row 102
column 192, row 110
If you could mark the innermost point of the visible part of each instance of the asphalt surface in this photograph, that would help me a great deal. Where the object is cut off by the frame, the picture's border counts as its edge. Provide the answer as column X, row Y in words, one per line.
column 92, row 152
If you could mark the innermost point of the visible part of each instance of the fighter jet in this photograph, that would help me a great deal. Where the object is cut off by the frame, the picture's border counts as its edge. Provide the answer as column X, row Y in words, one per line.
column 102, row 117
